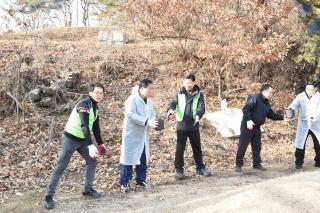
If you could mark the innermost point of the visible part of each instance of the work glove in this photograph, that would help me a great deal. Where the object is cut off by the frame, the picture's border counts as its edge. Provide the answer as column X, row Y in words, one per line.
column 314, row 119
column 250, row 125
column 93, row 151
column 152, row 123
column 309, row 120
column 102, row 149
column 196, row 120
column 170, row 114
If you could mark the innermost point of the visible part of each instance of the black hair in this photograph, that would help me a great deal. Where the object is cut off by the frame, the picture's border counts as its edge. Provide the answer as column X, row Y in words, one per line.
column 313, row 83
column 144, row 83
column 191, row 77
column 92, row 86
column 265, row 87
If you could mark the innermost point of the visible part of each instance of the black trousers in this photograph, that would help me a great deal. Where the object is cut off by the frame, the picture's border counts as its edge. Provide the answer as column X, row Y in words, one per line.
column 299, row 154
column 246, row 137
column 194, row 137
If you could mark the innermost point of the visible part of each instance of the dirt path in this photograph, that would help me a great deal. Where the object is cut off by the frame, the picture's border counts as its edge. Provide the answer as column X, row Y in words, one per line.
column 279, row 189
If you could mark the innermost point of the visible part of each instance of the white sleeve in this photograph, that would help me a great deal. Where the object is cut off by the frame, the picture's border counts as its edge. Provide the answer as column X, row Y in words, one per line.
column 131, row 112
column 295, row 103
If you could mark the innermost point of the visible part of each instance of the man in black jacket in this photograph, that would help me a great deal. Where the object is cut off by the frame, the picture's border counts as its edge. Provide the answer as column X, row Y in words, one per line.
column 190, row 107
column 83, row 121
column 255, row 112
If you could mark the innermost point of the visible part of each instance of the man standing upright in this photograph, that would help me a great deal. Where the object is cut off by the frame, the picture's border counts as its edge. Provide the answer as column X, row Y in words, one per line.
column 139, row 116
column 255, row 112
column 308, row 122
column 190, row 107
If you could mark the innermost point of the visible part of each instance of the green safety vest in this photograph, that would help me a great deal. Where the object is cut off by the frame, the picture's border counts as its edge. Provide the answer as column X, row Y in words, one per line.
column 181, row 106
column 73, row 125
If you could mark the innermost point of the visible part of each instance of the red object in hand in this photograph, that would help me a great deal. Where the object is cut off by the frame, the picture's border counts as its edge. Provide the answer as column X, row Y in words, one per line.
column 102, row 149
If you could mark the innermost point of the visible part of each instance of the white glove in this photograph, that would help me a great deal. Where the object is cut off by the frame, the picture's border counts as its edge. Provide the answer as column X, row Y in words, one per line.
column 196, row 119
column 170, row 112
column 309, row 123
column 309, row 120
column 93, row 151
column 152, row 123
column 250, row 125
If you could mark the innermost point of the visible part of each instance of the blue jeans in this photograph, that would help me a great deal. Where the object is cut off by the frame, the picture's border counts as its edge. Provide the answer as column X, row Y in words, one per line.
column 141, row 171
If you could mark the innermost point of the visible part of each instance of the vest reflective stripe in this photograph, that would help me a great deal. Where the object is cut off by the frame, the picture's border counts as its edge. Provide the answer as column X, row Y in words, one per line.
column 73, row 125
column 181, row 106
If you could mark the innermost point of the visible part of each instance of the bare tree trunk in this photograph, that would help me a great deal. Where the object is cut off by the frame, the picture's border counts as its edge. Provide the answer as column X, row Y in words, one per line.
column 220, row 81
column 70, row 19
column 257, row 37
column 77, row 13
column 65, row 18
column 85, row 8
column 67, row 14
column 88, row 18
column 256, row 72
column 315, row 70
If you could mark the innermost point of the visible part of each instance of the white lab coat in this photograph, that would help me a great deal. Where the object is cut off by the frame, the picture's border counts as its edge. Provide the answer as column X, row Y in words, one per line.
column 135, row 134
column 309, row 117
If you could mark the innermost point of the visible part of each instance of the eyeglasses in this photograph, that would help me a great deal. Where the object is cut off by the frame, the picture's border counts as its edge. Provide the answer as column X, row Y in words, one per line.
column 99, row 93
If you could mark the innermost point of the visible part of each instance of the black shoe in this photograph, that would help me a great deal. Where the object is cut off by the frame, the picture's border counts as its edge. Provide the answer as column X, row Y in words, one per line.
column 237, row 169
column 204, row 172
column 180, row 175
column 92, row 193
column 260, row 167
column 298, row 167
column 48, row 204
column 143, row 185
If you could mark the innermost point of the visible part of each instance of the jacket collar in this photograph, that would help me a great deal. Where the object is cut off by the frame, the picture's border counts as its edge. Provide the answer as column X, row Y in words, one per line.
column 195, row 90
column 92, row 100
column 309, row 97
column 263, row 98
column 143, row 98
column 135, row 92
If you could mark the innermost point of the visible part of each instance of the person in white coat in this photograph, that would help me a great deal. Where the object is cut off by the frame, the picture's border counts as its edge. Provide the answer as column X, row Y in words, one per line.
column 308, row 123
column 139, row 117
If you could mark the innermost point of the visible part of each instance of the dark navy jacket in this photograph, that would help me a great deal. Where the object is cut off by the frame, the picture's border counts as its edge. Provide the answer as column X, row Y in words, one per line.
column 257, row 109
